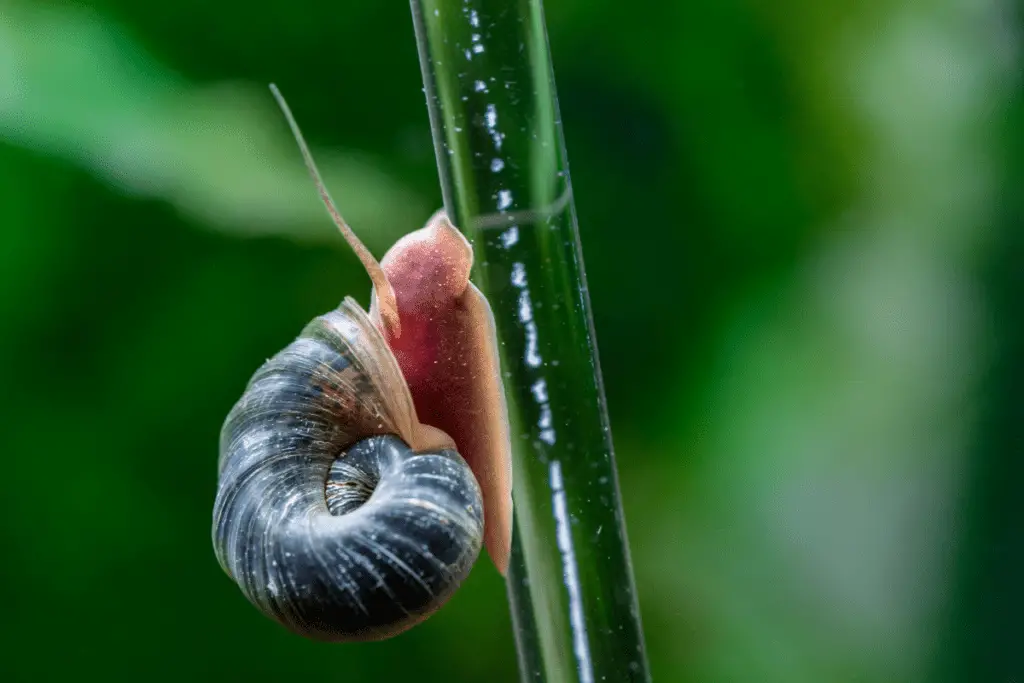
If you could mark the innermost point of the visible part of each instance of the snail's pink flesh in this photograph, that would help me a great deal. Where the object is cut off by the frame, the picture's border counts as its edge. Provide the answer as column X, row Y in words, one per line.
column 447, row 352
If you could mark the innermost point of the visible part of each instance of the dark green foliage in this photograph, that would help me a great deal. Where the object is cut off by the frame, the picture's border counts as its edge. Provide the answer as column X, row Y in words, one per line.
column 788, row 211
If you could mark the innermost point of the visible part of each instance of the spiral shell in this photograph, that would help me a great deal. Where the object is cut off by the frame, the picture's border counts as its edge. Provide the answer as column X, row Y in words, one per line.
column 325, row 517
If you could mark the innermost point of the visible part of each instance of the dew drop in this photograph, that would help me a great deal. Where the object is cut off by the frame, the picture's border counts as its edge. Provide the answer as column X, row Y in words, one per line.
column 504, row 199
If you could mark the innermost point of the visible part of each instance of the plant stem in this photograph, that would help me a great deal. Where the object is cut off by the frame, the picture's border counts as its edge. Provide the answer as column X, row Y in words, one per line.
column 505, row 181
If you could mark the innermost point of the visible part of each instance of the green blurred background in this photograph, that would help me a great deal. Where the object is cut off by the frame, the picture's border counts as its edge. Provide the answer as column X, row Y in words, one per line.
column 801, row 228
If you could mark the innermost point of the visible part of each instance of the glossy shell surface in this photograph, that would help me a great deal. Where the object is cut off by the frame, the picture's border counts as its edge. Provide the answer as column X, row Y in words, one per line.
column 324, row 517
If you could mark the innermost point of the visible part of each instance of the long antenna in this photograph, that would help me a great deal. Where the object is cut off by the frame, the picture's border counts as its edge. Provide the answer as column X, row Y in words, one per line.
column 386, row 295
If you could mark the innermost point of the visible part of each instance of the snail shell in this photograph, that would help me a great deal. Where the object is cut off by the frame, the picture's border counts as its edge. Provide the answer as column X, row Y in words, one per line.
column 326, row 517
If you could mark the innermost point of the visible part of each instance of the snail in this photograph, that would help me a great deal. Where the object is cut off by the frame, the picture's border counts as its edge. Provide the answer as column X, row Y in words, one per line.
column 367, row 463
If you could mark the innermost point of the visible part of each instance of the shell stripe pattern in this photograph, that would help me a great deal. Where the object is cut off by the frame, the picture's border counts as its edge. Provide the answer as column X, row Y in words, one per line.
column 325, row 517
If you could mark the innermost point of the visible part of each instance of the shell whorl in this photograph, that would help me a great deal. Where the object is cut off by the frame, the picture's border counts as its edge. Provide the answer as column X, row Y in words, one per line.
column 325, row 517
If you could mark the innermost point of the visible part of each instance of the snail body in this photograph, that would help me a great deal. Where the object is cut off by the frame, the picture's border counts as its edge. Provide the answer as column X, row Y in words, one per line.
column 338, row 513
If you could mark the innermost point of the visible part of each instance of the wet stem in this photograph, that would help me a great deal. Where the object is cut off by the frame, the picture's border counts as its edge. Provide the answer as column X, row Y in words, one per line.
column 505, row 182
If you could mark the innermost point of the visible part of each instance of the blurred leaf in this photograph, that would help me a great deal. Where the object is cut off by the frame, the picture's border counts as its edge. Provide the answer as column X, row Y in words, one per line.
column 76, row 87
column 815, row 536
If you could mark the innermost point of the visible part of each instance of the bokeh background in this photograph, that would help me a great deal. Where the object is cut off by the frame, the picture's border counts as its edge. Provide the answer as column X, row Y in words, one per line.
column 801, row 224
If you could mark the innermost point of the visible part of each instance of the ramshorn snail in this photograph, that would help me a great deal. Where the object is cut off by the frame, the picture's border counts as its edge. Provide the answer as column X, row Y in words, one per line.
column 338, row 513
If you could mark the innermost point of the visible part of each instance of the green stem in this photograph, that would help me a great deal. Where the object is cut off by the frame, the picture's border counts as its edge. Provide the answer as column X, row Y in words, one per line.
column 505, row 181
